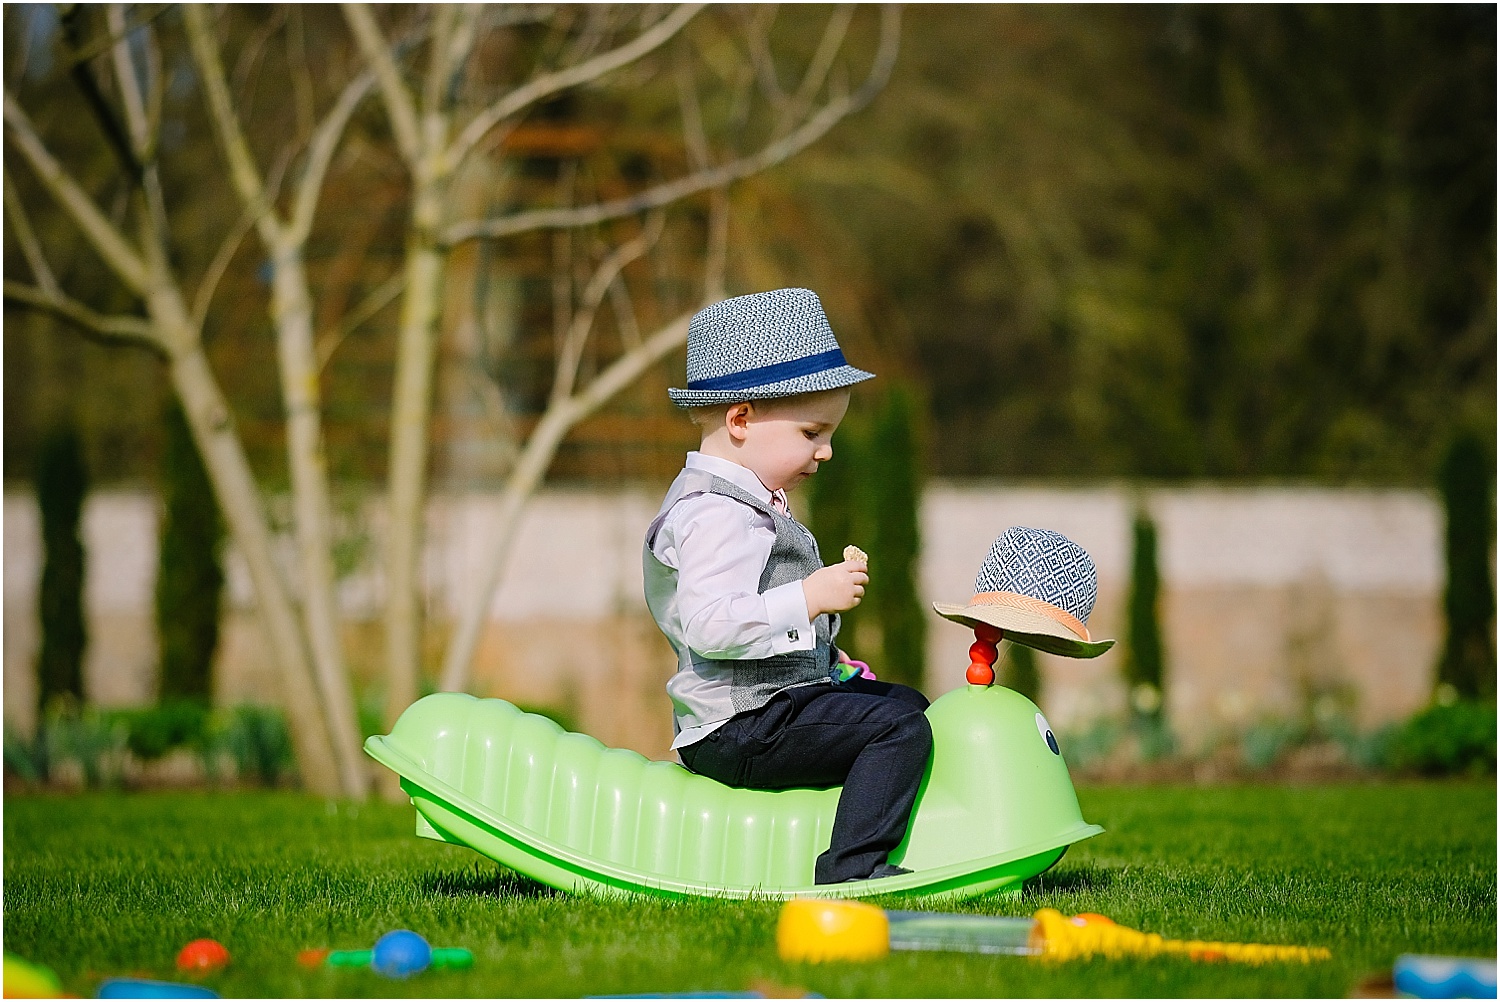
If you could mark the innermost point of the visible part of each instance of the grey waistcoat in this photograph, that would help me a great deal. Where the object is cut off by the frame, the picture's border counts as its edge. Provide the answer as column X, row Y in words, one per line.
column 751, row 683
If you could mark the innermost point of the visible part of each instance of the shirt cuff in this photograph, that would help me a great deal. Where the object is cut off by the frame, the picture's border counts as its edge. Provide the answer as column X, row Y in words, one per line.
column 786, row 610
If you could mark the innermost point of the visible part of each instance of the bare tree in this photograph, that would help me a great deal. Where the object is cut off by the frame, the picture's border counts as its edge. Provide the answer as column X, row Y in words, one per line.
column 173, row 330
column 602, row 240
column 436, row 136
column 285, row 239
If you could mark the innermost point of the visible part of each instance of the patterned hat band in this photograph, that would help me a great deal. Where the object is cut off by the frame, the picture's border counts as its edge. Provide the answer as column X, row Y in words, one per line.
column 767, row 374
column 1026, row 603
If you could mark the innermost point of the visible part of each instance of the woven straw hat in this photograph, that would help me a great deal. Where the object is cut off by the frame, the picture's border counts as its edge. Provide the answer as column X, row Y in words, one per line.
column 1039, row 587
column 762, row 346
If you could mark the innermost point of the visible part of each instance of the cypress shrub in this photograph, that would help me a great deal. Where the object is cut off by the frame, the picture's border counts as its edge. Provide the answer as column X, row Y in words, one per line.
column 892, row 466
column 1019, row 672
column 835, row 513
column 1143, row 652
column 190, row 576
column 1468, row 659
column 61, row 483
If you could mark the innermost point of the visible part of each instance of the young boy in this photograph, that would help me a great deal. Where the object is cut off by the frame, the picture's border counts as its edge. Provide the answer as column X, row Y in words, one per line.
column 737, row 585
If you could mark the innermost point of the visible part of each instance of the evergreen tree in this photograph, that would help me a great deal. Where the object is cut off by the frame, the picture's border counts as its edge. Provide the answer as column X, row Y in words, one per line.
column 190, row 578
column 834, row 511
column 1468, row 658
column 61, row 483
column 1019, row 672
column 894, row 495
column 1143, row 652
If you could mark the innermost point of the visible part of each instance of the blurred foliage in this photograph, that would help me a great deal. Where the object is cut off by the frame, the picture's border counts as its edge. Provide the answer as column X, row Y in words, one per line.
column 257, row 739
column 869, row 495
column 1018, row 671
column 61, row 482
column 1447, row 740
column 1175, row 241
column 1467, row 480
column 152, row 731
column 190, row 577
column 1143, row 646
column 835, row 511
column 891, row 484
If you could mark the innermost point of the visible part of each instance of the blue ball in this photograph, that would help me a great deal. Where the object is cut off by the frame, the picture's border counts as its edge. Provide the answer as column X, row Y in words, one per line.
column 401, row 954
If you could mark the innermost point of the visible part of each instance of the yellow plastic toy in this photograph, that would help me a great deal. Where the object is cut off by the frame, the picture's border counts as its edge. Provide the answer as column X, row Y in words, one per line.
column 1059, row 937
column 815, row 931
column 25, row 980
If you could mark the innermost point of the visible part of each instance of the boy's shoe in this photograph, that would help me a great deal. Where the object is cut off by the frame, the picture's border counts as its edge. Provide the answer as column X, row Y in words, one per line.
column 883, row 870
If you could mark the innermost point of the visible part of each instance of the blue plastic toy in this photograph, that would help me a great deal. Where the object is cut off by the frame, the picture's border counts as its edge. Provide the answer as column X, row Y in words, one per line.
column 141, row 988
column 1426, row 977
column 401, row 954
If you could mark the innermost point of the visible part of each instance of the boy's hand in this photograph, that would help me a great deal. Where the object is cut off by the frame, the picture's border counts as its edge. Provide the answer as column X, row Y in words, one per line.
column 835, row 588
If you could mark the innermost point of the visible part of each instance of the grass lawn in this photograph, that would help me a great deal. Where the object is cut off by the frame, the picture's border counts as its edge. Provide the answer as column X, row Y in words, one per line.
column 106, row 885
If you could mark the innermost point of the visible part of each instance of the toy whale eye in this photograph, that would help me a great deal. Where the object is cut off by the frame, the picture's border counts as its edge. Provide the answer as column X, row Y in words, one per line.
column 1046, row 733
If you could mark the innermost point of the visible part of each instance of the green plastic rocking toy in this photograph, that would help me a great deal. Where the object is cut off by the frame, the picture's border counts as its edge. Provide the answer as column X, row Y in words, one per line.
column 996, row 805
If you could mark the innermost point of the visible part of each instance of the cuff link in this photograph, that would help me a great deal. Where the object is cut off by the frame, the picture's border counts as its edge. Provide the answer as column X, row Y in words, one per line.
column 791, row 635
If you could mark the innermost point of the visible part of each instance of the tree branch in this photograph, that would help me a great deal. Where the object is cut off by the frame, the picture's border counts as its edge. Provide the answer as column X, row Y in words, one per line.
column 814, row 128
column 209, row 283
column 758, row 21
column 136, row 118
column 571, row 352
column 83, row 77
column 398, row 100
column 551, row 83
column 101, row 233
column 377, row 300
column 31, row 248
column 116, row 331
column 693, row 135
column 817, row 70
column 242, row 170
column 320, row 154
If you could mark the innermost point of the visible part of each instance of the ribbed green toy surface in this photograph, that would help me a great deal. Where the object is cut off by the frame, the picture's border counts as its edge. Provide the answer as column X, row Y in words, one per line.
column 996, row 806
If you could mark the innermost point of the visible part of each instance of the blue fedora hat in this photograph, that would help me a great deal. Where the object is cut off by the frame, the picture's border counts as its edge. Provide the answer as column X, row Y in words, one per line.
column 1038, row 587
column 762, row 346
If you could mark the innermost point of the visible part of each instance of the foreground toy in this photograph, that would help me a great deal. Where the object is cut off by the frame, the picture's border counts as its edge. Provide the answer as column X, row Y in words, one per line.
column 203, row 955
column 815, row 931
column 141, row 988
column 996, row 807
column 25, row 980
column 1427, row 977
column 398, row 954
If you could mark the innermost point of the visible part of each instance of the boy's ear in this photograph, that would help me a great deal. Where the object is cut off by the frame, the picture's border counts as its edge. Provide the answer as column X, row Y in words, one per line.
column 737, row 420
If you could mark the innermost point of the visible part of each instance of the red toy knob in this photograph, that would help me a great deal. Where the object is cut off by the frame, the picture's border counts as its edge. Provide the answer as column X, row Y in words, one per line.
column 983, row 653
column 980, row 673
column 202, row 955
column 989, row 634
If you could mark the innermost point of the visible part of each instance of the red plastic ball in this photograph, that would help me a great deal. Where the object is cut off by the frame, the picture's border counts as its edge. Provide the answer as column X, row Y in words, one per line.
column 987, row 633
column 202, row 955
column 315, row 957
column 980, row 673
column 983, row 653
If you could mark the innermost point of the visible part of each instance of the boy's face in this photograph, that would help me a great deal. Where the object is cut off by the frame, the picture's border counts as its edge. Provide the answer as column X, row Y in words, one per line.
column 783, row 441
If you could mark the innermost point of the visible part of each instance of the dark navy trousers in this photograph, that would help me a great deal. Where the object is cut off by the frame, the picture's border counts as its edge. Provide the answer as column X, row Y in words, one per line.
column 871, row 737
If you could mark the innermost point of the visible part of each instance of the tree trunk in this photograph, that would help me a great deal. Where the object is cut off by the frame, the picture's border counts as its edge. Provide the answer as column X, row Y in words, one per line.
column 292, row 310
column 212, row 424
column 410, row 420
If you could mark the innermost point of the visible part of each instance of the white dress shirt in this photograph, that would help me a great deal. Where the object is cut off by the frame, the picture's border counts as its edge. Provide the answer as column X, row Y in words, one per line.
column 703, row 586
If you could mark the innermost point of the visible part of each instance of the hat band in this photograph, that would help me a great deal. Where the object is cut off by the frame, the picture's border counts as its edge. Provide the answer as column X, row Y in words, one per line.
column 767, row 374
column 1015, row 600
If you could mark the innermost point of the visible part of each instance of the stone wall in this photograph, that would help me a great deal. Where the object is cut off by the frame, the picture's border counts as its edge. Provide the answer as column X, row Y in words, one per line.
column 1275, row 601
